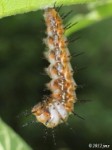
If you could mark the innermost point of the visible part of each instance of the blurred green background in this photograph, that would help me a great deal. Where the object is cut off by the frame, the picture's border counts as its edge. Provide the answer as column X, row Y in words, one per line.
column 22, row 79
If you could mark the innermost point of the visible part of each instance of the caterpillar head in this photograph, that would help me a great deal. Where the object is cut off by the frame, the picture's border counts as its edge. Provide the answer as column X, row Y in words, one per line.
column 50, row 114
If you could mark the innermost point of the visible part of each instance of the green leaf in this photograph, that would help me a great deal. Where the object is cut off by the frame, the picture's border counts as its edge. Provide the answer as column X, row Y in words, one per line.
column 13, row 7
column 9, row 140
column 97, row 12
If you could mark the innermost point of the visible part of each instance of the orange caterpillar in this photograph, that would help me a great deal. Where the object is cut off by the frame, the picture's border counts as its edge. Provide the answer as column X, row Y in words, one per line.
column 60, row 104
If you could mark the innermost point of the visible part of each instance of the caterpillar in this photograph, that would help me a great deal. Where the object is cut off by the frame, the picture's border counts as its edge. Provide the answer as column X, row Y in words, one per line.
column 56, row 107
